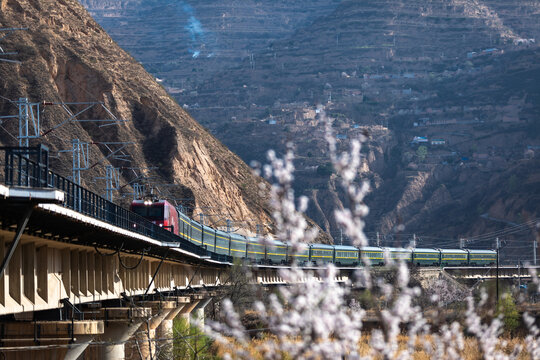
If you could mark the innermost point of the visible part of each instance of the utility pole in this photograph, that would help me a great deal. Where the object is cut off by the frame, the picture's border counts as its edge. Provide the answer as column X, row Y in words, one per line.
column 519, row 274
column 378, row 240
column 80, row 159
column 497, row 273
column 535, row 245
column 202, row 218
column 112, row 180
column 461, row 243
column 341, row 236
column 414, row 241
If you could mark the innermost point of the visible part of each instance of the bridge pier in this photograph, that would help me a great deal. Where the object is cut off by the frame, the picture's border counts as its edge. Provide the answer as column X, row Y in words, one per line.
column 119, row 325
column 185, row 313
column 145, row 337
column 199, row 311
column 118, row 333
column 165, row 331
column 78, row 347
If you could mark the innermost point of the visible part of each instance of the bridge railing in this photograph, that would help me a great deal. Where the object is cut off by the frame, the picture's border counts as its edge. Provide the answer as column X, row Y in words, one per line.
column 22, row 171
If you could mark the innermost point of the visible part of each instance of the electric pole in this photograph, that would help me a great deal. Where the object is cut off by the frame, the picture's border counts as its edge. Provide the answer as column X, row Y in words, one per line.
column 497, row 273
column 535, row 245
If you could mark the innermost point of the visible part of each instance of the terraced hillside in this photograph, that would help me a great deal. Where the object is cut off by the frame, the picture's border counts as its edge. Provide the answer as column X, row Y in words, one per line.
column 445, row 70
column 184, row 43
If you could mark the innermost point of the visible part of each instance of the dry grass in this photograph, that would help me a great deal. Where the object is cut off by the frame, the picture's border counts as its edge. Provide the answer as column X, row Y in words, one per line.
column 471, row 350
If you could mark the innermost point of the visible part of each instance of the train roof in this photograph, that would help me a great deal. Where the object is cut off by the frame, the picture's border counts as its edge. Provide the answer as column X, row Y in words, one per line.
column 237, row 236
column 425, row 250
column 321, row 246
column 393, row 249
column 482, row 251
column 371, row 248
column 345, row 247
column 254, row 240
column 448, row 251
column 277, row 242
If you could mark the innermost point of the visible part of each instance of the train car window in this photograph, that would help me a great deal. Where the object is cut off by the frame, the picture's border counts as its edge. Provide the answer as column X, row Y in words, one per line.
column 149, row 212
column 155, row 212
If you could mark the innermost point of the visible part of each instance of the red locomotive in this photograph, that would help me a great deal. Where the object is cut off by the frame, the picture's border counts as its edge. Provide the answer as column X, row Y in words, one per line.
column 160, row 212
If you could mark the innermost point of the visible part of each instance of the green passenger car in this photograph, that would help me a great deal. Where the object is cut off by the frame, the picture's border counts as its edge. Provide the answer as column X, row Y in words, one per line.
column 209, row 238
column 238, row 246
column 302, row 257
column 276, row 254
column 321, row 254
column 255, row 250
column 189, row 229
column 397, row 254
column 375, row 255
column 345, row 255
column 482, row 257
column 222, row 243
column 426, row 257
column 196, row 235
column 184, row 225
column 453, row 257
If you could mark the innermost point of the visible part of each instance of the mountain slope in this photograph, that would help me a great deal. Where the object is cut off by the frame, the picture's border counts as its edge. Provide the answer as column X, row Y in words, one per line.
column 66, row 56
column 458, row 71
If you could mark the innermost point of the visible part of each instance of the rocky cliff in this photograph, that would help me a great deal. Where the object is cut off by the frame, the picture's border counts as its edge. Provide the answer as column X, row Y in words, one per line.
column 67, row 57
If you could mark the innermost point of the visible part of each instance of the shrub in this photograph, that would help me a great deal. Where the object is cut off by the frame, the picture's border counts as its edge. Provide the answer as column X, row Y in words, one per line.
column 510, row 315
column 190, row 342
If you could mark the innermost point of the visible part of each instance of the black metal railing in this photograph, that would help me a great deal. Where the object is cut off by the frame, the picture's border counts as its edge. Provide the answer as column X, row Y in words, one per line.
column 23, row 171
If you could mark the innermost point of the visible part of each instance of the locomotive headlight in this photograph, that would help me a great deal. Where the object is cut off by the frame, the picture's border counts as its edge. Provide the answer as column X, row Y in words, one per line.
column 160, row 225
column 147, row 202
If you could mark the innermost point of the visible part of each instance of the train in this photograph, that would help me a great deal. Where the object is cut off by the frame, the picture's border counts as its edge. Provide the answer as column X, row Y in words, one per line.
column 165, row 215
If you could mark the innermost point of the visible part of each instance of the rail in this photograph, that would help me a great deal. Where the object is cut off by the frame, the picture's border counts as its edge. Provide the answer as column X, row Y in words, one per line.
column 20, row 170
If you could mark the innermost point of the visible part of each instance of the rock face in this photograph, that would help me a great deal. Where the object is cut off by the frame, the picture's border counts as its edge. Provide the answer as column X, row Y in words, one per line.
column 67, row 57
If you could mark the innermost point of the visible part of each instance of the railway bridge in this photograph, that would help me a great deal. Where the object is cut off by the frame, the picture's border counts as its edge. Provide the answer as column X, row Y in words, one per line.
column 81, row 273
column 78, row 270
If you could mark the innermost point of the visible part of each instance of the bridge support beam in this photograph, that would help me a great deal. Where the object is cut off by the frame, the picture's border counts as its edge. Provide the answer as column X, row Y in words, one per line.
column 188, row 309
column 118, row 333
column 165, row 331
column 72, row 338
column 78, row 347
column 119, row 325
column 145, row 337
column 198, row 312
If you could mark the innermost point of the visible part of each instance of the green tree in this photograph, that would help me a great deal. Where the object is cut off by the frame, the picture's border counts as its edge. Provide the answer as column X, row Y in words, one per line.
column 190, row 342
column 422, row 152
column 508, row 309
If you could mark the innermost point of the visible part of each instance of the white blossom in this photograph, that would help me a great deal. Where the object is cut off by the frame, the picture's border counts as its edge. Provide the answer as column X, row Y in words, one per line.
column 311, row 318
